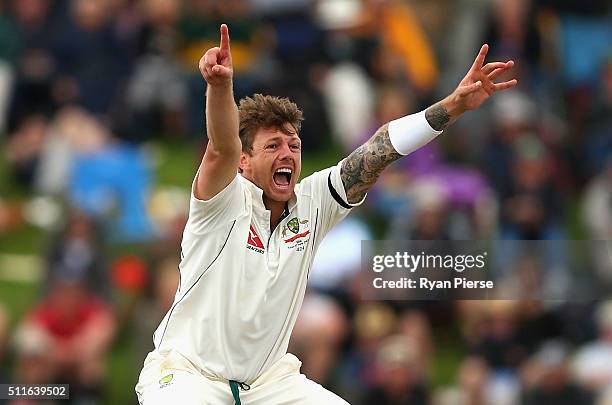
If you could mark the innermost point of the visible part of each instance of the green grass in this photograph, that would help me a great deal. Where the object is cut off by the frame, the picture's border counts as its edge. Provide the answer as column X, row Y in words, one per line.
column 17, row 298
column 25, row 240
column 121, row 376
column 330, row 155
column 176, row 163
column 448, row 354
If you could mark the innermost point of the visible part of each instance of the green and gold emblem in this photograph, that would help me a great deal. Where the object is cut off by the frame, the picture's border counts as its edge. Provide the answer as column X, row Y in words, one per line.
column 294, row 225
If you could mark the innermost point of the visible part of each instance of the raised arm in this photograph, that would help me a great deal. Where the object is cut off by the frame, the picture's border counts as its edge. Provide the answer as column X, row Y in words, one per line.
column 361, row 168
column 220, row 162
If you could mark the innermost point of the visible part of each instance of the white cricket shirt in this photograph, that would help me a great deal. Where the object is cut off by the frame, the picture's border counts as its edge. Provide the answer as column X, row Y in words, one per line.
column 241, row 285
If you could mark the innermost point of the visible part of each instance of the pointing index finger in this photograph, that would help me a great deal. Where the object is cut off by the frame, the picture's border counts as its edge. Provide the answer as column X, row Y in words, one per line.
column 479, row 61
column 225, row 41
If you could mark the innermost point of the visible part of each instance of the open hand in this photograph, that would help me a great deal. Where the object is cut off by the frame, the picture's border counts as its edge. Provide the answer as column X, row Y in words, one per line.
column 479, row 82
column 216, row 64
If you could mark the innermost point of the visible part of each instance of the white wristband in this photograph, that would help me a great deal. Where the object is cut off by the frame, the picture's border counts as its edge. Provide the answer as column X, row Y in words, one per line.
column 409, row 133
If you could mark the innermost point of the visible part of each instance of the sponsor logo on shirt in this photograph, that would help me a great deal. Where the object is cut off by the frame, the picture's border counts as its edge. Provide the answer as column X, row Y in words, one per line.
column 254, row 242
column 166, row 380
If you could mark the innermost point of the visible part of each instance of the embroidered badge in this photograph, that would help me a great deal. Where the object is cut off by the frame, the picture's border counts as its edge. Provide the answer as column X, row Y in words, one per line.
column 294, row 225
column 299, row 240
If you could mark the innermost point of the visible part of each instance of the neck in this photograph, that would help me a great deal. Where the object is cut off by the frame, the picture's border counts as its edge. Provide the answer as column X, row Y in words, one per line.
column 276, row 211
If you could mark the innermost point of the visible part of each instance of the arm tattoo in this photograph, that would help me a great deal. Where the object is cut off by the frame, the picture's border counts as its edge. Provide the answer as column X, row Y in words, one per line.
column 361, row 168
column 438, row 117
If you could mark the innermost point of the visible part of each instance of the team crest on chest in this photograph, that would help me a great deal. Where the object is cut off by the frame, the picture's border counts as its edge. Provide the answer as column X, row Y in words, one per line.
column 294, row 225
column 300, row 231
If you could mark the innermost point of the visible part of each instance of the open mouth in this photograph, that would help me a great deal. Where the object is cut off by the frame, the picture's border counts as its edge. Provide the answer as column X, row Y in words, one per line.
column 282, row 177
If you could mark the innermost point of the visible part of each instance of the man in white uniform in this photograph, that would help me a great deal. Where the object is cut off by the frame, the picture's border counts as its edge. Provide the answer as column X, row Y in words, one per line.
column 251, row 238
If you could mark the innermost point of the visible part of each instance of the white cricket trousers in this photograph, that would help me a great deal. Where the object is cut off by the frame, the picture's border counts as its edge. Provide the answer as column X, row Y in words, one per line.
column 172, row 379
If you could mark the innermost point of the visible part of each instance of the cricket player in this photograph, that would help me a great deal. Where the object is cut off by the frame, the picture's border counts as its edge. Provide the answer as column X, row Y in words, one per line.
column 252, row 234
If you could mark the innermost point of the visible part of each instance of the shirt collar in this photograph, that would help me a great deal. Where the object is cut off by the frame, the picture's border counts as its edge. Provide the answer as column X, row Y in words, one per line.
column 259, row 193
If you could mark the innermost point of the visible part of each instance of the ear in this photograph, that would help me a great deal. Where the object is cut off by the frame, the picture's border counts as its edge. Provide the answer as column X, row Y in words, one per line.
column 244, row 164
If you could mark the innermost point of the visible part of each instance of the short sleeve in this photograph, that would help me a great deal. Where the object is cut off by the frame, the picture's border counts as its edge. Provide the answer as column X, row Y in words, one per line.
column 336, row 187
column 208, row 215
column 326, row 190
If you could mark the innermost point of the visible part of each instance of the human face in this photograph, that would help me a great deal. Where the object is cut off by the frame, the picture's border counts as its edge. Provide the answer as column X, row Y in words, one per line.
column 275, row 163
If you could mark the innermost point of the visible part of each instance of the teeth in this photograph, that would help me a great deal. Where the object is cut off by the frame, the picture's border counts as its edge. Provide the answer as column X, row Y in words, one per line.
column 284, row 170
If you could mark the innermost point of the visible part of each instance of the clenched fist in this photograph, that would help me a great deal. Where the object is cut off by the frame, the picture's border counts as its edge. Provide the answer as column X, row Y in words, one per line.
column 216, row 64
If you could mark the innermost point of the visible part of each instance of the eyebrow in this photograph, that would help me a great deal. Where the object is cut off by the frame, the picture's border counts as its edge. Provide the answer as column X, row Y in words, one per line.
column 277, row 138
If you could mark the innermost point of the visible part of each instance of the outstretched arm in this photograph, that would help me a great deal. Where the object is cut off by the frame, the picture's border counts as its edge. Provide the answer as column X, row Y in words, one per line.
column 220, row 162
column 361, row 168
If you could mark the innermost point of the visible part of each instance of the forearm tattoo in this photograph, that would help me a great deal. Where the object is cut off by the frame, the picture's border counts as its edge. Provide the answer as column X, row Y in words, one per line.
column 438, row 117
column 361, row 169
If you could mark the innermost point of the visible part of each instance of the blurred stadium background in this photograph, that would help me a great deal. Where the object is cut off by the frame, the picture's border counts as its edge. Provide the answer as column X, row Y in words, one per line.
column 101, row 130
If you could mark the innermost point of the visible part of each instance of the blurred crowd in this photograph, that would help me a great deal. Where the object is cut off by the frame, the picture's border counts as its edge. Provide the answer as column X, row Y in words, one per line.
column 89, row 89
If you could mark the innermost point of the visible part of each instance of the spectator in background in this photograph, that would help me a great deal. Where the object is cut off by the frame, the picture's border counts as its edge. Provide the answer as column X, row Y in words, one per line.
column 592, row 365
column 348, row 93
column 252, row 42
column 605, row 398
column 319, row 332
column 549, row 381
column 497, row 339
column 401, row 376
column 396, row 60
column 156, row 94
column 157, row 300
column 389, row 197
column 73, row 331
column 598, row 142
column 514, row 117
column 33, row 363
column 198, row 29
column 300, row 63
column 428, row 216
column 532, row 207
column 9, row 50
column 35, row 64
column 372, row 323
column 597, row 218
column 585, row 46
column 106, row 179
column 168, row 206
column 461, row 191
column 492, row 335
column 415, row 326
column 92, row 61
column 475, row 386
column 78, row 252
column 512, row 31
column 24, row 148
column 11, row 216
column 330, row 272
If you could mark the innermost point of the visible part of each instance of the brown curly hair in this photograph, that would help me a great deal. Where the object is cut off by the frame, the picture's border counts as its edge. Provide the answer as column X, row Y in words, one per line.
column 268, row 112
